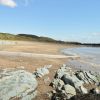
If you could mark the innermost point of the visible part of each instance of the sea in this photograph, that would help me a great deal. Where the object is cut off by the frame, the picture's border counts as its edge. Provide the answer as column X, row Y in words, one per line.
column 89, row 57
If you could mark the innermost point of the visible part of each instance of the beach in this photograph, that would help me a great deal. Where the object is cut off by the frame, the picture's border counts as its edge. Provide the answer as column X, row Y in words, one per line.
column 50, row 51
column 33, row 55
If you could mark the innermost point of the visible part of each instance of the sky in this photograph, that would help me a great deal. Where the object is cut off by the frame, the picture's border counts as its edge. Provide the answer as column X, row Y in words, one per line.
column 68, row 20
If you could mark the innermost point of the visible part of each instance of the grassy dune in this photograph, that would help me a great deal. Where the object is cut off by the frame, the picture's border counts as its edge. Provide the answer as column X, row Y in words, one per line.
column 29, row 37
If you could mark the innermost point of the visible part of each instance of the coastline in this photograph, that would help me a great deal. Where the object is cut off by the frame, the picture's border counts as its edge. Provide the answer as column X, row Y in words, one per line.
column 32, row 63
column 39, row 54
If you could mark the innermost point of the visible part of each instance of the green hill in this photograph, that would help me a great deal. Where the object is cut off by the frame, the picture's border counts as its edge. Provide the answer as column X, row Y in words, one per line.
column 30, row 37
column 25, row 37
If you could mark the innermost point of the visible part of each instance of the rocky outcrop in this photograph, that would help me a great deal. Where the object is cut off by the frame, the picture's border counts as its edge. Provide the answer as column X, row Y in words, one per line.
column 17, row 84
column 67, row 83
column 40, row 72
column 69, row 91
column 57, row 84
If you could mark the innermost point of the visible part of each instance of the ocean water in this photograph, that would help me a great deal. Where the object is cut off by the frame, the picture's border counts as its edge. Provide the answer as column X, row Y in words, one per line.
column 88, row 55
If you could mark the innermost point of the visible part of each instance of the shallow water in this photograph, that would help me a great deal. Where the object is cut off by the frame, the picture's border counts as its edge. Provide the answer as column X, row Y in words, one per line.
column 88, row 55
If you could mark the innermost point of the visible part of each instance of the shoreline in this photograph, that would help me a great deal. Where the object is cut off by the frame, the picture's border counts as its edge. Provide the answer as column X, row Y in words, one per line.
column 32, row 63
column 84, row 57
column 32, row 55
column 38, row 51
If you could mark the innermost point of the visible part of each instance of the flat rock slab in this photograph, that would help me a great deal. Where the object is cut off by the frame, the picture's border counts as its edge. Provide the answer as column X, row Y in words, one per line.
column 17, row 84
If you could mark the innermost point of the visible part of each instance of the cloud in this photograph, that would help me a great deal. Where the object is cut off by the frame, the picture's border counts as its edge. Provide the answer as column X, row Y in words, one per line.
column 13, row 4
column 9, row 3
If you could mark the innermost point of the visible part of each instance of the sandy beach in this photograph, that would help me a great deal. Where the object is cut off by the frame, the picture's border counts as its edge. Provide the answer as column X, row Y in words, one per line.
column 43, row 54
column 33, row 55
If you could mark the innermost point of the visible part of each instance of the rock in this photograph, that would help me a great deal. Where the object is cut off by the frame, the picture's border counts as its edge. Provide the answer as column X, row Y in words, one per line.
column 62, row 71
column 17, row 84
column 92, row 77
column 66, row 93
column 54, row 92
column 70, row 91
column 87, row 77
column 97, row 90
column 40, row 72
column 97, row 84
column 48, row 66
column 57, row 84
column 59, row 95
column 67, row 82
column 47, row 80
column 67, row 79
column 83, row 90
column 72, row 80
column 49, row 95
column 88, row 96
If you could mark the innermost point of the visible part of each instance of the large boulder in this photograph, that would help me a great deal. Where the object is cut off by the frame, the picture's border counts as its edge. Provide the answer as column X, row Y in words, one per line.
column 57, row 84
column 72, row 80
column 69, row 90
column 69, row 82
column 87, row 77
column 17, row 84
column 63, row 70
column 65, row 94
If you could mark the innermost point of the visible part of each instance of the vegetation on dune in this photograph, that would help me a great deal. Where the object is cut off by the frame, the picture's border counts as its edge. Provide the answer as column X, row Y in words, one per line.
column 29, row 37
column 6, row 36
